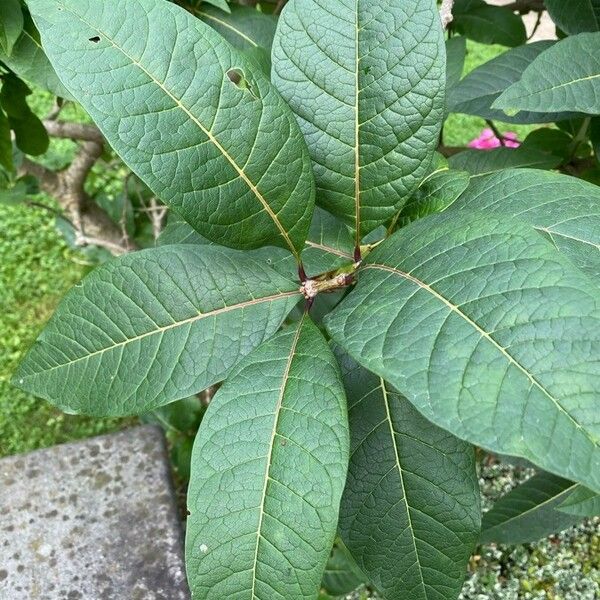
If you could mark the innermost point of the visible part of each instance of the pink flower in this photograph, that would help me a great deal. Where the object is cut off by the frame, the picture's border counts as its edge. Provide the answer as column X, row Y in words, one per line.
column 488, row 140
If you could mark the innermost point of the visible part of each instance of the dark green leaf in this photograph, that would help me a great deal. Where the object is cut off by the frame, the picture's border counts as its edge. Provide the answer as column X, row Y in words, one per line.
column 229, row 155
column 483, row 162
column 595, row 136
column 222, row 4
column 31, row 136
column 489, row 332
column 488, row 24
column 366, row 81
column 268, row 471
column 29, row 61
column 529, row 512
column 582, row 503
column 564, row 209
column 565, row 77
column 410, row 512
column 456, row 53
column 476, row 93
column 438, row 191
column 6, row 149
column 551, row 141
column 245, row 28
column 341, row 575
column 153, row 327
column 11, row 24
column 575, row 16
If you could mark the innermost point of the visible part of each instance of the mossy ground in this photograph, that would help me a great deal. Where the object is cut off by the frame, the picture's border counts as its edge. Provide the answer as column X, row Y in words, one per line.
column 37, row 269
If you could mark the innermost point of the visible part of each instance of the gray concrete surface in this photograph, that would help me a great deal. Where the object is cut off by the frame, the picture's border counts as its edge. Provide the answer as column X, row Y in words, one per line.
column 94, row 520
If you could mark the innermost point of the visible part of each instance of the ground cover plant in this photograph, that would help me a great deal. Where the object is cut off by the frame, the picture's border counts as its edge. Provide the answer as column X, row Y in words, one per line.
column 377, row 302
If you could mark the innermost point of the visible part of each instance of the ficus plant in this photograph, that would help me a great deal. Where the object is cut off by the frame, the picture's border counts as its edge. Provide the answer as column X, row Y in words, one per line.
column 372, row 312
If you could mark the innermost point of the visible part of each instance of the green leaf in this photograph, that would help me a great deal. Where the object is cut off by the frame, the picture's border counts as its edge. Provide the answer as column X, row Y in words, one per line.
column 329, row 245
column 11, row 24
column 222, row 4
column 582, row 503
column 550, row 141
column 223, row 148
column 456, row 53
column 6, row 148
column 565, row 77
column 563, row 209
column 366, row 81
column 484, row 162
column 268, row 471
column 595, row 136
column 410, row 513
column 529, row 512
column 438, row 191
column 575, row 16
column 245, row 28
column 153, row 327
column 342, row 576
column 488, row 24
column 476, row 93
column 489, row 332
column 29, row 61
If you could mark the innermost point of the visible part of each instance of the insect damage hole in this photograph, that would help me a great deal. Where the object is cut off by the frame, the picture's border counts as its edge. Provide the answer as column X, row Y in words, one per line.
column 95, row 39
column 237, row 77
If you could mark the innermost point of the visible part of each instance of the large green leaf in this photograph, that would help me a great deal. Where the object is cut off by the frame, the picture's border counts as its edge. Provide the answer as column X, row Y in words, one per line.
column 268, row 471
column 575, row 16
column 29, row 61
column 410, row 512
column 564, row 209
column 565, row 77
column 488, row 24
column 484, row 162
column 476, row 93
column 456, row 54
column 581, row 502
column 366, row 81
column 11, row 24
column 489, row 332
column 153, row 327
column 223, row 148
column 529, row 512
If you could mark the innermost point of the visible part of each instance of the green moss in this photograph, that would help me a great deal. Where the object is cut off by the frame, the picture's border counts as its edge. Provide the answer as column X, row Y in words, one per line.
column 36, row 270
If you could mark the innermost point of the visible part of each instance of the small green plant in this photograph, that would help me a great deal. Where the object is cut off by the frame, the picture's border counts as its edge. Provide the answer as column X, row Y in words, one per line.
column 372, row 311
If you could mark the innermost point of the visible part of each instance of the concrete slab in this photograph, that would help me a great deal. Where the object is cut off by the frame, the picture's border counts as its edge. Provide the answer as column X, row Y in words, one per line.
column 94, row 520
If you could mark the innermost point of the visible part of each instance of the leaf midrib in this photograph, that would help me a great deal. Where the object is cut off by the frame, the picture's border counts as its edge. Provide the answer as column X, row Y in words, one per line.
column 160, row 330
column 207, row 132
column 228, row 25
column 401, row 475
column 454, row 308
column 277, row 413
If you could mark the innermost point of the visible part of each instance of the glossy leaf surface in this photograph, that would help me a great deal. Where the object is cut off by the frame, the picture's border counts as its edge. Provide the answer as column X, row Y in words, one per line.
column 154, row 326
column 410, row 512
column 366, row 81
column 489, row 331
column 575, row 16
column 269, row 467
column 223, row 148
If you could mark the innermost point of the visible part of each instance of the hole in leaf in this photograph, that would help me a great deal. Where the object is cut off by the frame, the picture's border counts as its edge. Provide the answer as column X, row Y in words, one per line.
column 95, row 39
column 237, row 77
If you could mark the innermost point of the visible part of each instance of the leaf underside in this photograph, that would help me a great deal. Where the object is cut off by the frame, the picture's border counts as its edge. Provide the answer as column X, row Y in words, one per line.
column 410, row 512
column 195, row 119
column 489, row 332
column 366, row 81
column 269, row 466
column 581, row 502
column 153, row 327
